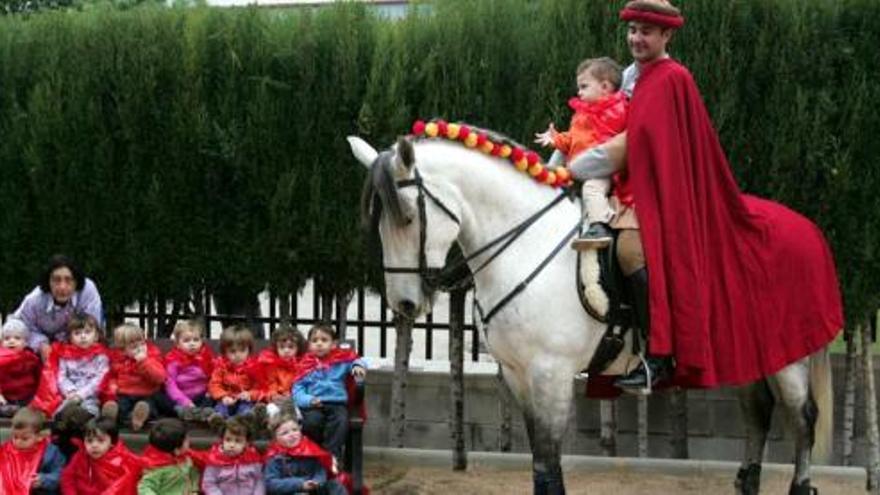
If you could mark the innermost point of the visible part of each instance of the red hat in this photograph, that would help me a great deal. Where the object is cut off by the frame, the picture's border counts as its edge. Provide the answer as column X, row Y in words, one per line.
column 658, row 12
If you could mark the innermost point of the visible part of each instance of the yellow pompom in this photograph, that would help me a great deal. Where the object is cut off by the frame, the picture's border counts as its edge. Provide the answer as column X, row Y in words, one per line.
column 452, row 131
column 521, row 165
column 471, row 140
column 551, row 178
column 563, row 173
column 505, row 151
column 487, row 147
column 535, row 169
column 431, row 129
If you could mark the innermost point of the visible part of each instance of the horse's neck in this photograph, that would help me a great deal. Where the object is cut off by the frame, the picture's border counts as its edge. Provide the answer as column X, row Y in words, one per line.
column 495, row 197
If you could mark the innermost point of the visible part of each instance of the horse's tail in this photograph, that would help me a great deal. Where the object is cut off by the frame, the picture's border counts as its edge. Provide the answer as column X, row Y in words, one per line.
column 822, row 390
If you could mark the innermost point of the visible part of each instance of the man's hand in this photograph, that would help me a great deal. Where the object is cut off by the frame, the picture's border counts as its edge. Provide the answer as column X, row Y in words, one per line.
column 546, row 138
column 228, row 400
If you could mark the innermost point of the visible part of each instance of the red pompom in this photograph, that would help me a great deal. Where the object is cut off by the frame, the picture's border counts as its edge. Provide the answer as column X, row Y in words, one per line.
column 464, row 132
column 482, row 138
column 443, row 127
column 516, row 154
column 418, row 127
column 532, row 157
column 496, row 151
column 542, row 177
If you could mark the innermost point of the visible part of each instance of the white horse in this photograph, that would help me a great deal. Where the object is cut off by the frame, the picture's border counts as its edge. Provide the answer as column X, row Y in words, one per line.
column 430, row 193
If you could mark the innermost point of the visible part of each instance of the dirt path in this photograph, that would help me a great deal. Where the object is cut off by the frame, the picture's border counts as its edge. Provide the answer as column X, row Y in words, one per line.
column 402, row 480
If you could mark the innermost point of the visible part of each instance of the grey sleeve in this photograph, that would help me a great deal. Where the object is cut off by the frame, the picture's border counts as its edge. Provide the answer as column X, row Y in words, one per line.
column 591, row 164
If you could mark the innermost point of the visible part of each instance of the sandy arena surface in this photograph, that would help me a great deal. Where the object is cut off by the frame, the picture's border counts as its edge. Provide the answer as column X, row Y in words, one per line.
column 403, row 480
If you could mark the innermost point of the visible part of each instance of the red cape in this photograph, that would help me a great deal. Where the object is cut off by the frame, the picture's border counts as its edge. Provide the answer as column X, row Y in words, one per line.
column 48, row 398
column 123, row 364
column 204, row 359
column 310, row 362
column 116, row 472
column 17, row 467
column 269, row 358
column 305, row 448
column 153, row 458
column 217, row 458
column 12, row 359
column 739, row 286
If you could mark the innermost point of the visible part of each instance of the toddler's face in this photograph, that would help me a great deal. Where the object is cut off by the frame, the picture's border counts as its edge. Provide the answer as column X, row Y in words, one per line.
column 136, row 348
column 286, row 349
column 24, row 438
column 13, row 341
column 84, row 337
column 288, row 434
column 237, row 355
column 233, row 445
column 320, row 343
column 98, row 444
column 590, row 88
column 189, row 342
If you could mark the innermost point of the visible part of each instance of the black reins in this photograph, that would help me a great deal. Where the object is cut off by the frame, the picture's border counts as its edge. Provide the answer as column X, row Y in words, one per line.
column 435, row 278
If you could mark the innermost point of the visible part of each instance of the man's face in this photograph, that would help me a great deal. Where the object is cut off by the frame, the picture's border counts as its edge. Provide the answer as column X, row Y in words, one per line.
column 98, row 444
column 288, row 434
column 233, row 445
column 84, row 337
column 24, row 438
column 647, row 42
column 189, row 342
column 62, row 284
column 14, row 341
column 320, row 343
column 286, row 349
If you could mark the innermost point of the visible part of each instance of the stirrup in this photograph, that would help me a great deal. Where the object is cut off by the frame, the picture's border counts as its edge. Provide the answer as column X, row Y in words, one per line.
column 647, row 389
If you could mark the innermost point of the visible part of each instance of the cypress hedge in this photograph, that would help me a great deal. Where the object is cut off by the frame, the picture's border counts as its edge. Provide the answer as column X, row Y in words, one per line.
column 170, row 148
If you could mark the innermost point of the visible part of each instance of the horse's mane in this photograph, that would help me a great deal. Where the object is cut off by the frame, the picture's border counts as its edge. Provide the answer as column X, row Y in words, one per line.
column 494, row 136
column 379, row 191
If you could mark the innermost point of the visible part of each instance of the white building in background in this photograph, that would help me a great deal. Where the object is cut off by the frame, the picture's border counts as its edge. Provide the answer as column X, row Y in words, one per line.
column 391, row 8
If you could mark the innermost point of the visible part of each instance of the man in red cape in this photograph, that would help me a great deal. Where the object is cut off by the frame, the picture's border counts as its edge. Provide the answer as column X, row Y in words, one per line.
column 739, row 287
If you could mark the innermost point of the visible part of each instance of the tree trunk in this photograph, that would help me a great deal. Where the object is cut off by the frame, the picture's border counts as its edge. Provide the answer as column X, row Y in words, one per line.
column 456, row 387
column 643, row 425
column 505, row 411
column 235, row 301
column 678, row 409
column 284, row 308
column 849, row 394
column 398, row 385
column 342, row 301
column 608, row 427
column 873, row 466
column 326, row 307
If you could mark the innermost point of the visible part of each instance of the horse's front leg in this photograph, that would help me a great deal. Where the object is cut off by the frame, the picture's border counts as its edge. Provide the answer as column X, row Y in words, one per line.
column 550, row 407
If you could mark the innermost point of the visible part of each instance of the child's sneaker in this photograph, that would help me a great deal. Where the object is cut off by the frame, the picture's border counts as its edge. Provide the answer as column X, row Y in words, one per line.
column 597, row 236
column 139, row 415
column 110, row 410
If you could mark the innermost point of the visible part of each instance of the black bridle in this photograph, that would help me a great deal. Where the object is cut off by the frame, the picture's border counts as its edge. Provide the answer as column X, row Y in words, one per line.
column 442, row 278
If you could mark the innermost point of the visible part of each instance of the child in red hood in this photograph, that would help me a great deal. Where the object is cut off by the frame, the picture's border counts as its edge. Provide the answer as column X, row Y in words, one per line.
column 295, row 464
column 279, row 365
column 19, row 368
column 102, row 465
column 599, row 114
column 233, row 466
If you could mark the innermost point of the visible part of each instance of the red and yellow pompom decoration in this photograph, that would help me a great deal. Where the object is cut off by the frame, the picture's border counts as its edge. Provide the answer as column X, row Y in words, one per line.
column 524, row 160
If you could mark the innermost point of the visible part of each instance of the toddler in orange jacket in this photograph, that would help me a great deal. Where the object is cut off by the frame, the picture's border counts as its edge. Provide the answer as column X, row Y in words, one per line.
column 235, row 382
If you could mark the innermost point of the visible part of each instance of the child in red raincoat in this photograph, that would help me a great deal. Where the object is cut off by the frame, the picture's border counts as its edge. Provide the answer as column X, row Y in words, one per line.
column 233, row 466
column 279, row 366
column 102, row 465
column 599, row 114
column 29, row 463
column 19, row 368
column 235, row 383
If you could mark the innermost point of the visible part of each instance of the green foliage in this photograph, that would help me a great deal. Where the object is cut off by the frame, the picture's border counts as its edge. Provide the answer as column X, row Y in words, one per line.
column 167, row 148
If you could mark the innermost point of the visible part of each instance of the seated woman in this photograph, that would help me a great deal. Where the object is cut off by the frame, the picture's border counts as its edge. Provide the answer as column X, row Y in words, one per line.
column 63, row 291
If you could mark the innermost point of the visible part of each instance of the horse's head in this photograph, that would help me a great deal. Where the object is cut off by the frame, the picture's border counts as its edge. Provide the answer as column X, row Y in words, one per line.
column 416, row 228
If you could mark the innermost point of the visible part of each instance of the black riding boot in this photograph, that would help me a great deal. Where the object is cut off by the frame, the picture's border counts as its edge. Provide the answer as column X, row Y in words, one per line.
column 658, row 367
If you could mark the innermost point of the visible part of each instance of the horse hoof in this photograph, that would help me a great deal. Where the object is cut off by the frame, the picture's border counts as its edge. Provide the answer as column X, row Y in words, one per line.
column 803, row 488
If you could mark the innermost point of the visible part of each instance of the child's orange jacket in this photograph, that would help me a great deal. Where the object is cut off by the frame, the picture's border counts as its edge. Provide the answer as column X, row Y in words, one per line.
column 229, row 380
column 278, row 374
column 592, row 124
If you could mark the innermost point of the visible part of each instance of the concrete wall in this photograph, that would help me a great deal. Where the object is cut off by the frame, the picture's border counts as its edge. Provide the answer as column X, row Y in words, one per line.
column 715, row 430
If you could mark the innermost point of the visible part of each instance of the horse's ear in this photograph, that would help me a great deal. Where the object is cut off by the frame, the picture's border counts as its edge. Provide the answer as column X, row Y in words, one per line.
column 362, row 150
column 405, row 151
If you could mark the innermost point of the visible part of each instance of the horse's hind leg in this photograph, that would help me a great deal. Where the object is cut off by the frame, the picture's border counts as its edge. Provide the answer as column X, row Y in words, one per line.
column 791, row 386
column 756, row 403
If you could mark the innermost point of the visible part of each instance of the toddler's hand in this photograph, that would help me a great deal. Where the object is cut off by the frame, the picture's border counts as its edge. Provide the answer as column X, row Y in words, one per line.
column 228, row 401
column 244, row 396
column 316, row 402
column 139, row 353
column 2, row 400
column 45, row 352
column 359, row 372
column 35, row 481
column 546, row 138
column 74, row 397
column 310, row 485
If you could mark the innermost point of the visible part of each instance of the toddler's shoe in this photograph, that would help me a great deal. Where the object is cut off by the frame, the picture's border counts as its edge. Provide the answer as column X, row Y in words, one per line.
column 139, row 415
